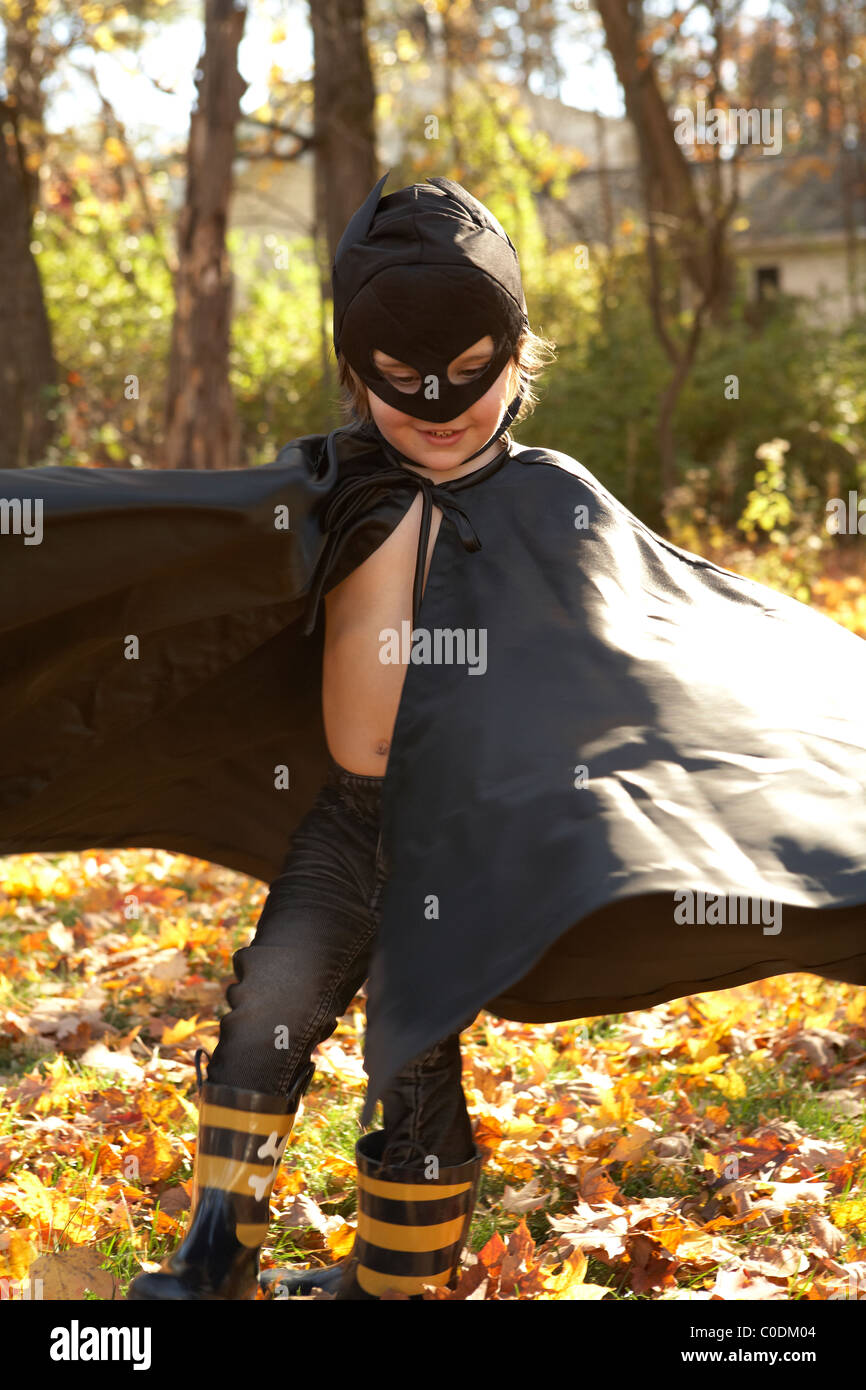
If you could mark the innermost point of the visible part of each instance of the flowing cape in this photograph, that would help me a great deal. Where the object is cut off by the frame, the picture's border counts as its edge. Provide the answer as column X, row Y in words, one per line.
column 619, row 772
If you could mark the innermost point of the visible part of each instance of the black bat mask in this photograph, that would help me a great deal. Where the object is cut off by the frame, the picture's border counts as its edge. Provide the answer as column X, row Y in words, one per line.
column 421, row 276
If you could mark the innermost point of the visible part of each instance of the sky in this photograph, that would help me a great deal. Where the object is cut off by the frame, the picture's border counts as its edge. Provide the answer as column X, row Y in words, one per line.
column 170, row 56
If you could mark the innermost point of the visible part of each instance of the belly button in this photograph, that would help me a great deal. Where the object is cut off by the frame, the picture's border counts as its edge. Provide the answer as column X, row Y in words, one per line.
column 382, row 747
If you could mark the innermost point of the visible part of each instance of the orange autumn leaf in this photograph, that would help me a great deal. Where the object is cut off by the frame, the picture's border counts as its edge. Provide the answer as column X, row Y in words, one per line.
column 164, row 1224
column 155, row 1158
column 289, row 1183
column 493, row 1253
column 595, row 1183
column 32, row 941
column 341, row 1241
column 488, row 1132
column 718, row 1113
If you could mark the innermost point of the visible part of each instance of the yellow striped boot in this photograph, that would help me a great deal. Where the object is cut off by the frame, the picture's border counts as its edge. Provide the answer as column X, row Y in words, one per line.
column 411, row 1227
column 241, row 1139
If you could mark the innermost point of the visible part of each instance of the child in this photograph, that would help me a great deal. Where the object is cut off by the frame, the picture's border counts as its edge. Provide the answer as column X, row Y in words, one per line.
column 312, row 943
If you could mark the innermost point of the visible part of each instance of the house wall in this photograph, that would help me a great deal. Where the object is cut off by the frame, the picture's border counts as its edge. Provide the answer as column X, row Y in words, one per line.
column 819, row 274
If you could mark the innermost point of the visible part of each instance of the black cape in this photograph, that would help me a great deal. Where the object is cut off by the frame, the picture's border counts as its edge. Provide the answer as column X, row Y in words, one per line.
column 647, row 724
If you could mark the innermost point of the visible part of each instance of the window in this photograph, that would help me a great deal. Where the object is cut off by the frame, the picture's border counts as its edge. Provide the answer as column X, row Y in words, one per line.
column 766, row 282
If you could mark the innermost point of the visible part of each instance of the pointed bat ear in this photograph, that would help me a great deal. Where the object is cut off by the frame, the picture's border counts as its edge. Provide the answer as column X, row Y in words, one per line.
column 453, row 188
column 359, row 223
column 477, row 209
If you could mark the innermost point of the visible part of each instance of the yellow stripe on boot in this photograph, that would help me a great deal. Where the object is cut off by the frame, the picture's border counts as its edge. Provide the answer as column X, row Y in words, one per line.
column 233, row 1175
column 245, row 1121
column 371, row 1281
column 389, row 1236
column 410, row 1191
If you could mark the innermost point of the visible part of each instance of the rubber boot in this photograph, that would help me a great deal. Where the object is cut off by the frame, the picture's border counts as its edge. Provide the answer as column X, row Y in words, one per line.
column 241, row 1138
column 411, row 1228
column 410, row 1234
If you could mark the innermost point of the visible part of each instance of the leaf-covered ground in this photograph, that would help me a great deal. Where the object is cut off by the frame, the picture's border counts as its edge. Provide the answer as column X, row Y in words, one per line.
column 709, row 1148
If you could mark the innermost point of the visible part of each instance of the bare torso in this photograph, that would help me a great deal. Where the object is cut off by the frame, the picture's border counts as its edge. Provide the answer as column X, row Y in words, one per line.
column 361, row 694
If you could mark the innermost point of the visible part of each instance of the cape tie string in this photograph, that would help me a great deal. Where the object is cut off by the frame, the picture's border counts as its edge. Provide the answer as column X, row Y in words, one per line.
column 357, row 495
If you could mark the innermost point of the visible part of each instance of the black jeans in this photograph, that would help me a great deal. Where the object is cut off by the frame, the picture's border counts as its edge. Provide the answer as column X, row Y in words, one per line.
column 305, row 964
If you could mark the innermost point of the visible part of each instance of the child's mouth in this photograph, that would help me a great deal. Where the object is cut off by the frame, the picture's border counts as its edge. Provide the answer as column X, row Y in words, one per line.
column 442, row 437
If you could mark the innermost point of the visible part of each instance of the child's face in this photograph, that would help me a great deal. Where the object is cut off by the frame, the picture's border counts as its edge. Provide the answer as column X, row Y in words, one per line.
column 472, row 427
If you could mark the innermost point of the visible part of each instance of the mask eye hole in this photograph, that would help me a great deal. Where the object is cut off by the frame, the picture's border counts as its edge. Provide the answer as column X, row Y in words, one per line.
column 472, row 362
column 464, row 374
column 397, row 374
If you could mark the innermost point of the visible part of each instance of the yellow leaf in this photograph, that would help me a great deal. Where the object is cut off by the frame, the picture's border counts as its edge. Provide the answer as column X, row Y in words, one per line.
column 44, row 1203
column 700, row 1049
column 341, row 1240
column 174, row 932
column 820, row 1018
column 543, row 1058
column 103, row 38
column 850, row 1212
column 703, row 1068
column 522, row 1127
column 17, row 1252
column 572, row 1272
column 181, row 1030
column 568, row 1285
column 730, row 1083
column 616, row 1106
column 191, row 1110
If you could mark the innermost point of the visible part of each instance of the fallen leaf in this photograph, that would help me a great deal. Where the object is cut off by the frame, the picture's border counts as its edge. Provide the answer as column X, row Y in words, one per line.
column 735, row 1284
column 341, row 1240
column 184, row 1028
column 102, row 1058
column 155, row 1158
column 17, row 1253
column 827, row 1239
column 526, row 1198
column 70, row 1274
column 778, row 1261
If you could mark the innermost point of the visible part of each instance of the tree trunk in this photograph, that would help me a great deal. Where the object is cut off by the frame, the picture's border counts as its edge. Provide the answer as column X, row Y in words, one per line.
column 343, row 107
column 202, row 428
column 704, row 256
column 27, row 368
column 344, row 99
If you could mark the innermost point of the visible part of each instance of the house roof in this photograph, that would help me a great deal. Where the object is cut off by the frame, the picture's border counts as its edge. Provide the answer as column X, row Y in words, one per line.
column 797, row 196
